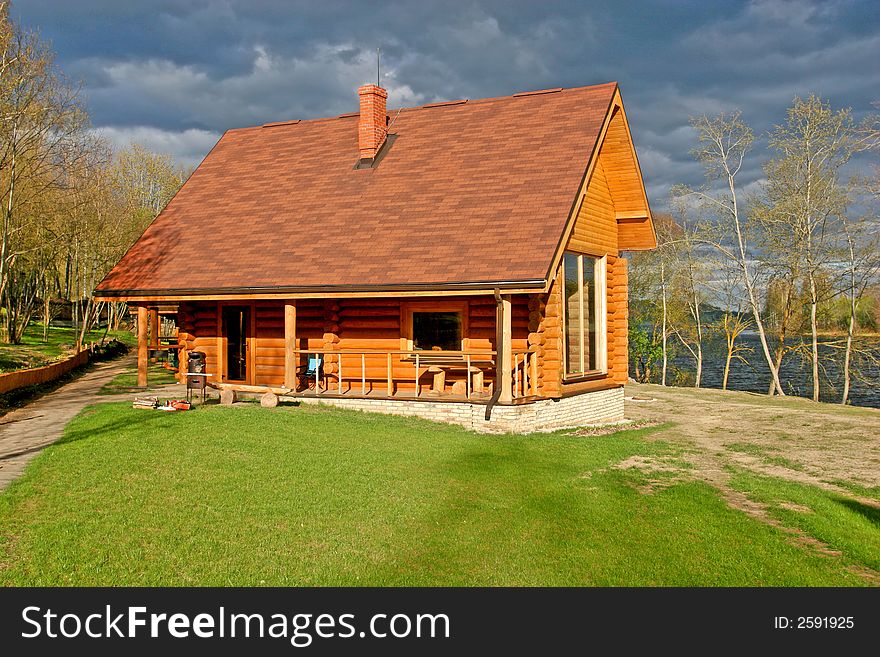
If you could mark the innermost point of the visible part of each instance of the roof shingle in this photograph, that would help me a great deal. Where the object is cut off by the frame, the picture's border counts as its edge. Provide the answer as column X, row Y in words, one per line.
column 469, row 192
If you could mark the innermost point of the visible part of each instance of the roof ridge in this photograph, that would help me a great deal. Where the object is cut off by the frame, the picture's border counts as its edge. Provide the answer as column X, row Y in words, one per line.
column 442, row 103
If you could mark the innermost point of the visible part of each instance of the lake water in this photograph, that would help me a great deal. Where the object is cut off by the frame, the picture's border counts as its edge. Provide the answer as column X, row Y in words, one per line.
column 796, row 375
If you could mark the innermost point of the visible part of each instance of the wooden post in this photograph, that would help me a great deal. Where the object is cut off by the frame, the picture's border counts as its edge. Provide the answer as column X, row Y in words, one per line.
column 220, row 374
column 154, row 333
column 533, row 377
column 390, row 377
column 505, row 352
column 143, row 320
column 289, row 346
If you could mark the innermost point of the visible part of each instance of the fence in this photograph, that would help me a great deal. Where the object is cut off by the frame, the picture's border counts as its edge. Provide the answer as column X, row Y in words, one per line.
column 38, row 375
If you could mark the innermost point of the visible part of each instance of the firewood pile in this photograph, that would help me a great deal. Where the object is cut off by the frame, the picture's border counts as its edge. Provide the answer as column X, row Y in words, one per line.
column 154, row 404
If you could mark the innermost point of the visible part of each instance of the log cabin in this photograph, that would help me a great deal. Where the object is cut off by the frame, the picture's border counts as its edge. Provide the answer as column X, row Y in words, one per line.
column 460, row 261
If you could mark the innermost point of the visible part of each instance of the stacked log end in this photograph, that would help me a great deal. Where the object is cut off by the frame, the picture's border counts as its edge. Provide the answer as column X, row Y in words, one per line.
column 547, row 339
column 185, row 337
column 331, row 335
column 618, row 327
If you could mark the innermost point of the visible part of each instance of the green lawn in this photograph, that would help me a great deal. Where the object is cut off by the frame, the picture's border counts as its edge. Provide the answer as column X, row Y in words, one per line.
column 318, row 496
column 33, row 352
column 127, row 381
column 841, row 522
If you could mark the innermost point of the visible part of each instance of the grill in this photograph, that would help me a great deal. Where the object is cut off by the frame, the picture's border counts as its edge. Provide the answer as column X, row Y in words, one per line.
column 196, row 379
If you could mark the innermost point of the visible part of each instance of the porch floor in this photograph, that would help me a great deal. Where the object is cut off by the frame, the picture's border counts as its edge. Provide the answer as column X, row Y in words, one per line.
column 376, row 392
column 355, row 393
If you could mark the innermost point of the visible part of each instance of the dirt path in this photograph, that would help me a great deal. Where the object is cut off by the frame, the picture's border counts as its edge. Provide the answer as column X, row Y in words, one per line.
column 832, row 447
column 24, row 432
column 796, row 439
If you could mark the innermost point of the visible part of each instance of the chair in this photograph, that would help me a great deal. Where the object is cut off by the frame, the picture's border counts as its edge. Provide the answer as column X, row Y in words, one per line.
column 311, row 371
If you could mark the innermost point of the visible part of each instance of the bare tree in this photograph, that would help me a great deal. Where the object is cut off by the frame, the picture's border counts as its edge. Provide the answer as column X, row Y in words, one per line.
column 806, row 195
column 690, row 285
column 861, row 255
column 40, row 116
column 733, row 322
column 725, row 141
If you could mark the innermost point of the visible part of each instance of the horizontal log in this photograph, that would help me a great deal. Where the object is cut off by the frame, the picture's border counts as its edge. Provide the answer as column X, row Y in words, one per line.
column 392, row 344
column 209, row 344
column 379, row 323
column 269, row 372
column 270, row 361
column 371, row 311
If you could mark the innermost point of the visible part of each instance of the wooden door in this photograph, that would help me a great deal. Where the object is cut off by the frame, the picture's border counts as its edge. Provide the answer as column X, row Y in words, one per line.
column 237, row 334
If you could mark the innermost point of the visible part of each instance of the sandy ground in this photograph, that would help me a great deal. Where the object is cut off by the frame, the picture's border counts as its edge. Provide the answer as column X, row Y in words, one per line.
column 832, row 447
column 796, row 439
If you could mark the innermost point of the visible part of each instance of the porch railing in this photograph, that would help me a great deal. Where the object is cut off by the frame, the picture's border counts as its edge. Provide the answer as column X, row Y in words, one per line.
column 474, row 364
column 525, row 374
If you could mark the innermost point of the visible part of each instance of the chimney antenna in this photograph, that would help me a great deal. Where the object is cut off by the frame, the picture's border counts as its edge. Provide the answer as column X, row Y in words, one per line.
column 378, row 84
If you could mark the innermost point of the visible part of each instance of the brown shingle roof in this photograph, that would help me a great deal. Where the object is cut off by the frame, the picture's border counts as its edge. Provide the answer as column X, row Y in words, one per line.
column 470, row 192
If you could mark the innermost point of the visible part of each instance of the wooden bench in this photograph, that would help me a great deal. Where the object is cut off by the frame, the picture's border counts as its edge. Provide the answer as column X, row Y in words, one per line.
column 474, row 376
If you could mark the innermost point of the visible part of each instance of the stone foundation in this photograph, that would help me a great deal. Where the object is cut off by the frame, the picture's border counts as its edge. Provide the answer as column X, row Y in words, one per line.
column 544, row 415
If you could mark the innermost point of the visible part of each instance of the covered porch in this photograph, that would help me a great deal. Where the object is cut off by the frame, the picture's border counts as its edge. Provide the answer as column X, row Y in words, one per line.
column 361, row 348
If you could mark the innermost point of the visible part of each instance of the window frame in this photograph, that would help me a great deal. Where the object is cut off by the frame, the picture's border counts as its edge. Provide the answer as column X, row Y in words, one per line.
column 406, row 320
column 600, row 308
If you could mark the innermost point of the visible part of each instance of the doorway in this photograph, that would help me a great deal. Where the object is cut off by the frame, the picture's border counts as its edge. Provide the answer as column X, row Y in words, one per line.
column 236, row 330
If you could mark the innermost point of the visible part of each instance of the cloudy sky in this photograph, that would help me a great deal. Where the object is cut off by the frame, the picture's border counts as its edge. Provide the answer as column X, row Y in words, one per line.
column 175, row 74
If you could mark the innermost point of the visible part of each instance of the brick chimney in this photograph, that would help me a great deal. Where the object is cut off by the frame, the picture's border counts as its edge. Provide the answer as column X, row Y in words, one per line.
column 373, row 121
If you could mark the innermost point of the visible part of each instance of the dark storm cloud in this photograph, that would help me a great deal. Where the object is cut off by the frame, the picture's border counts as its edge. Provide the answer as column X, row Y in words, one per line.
column 176, row 74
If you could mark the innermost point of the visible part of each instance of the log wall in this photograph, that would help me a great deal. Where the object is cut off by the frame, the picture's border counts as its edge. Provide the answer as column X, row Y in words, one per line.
column 357, row 323
column 594, row 233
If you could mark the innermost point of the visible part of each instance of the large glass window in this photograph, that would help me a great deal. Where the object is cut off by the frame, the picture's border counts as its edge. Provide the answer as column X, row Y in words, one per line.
column 583, row 307
column 436, row 331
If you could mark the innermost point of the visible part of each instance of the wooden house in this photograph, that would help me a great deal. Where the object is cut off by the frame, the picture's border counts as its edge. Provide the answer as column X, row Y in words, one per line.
column 460, row 260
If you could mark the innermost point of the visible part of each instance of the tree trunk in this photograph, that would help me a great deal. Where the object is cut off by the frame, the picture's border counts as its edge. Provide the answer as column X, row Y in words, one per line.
column 753, row 299
column 726, row 367
column 46, row 318
column 847, row 356
column 699, row 374
column 851, row 329
column 777, row 358
column 814, row 330
column 665, row 338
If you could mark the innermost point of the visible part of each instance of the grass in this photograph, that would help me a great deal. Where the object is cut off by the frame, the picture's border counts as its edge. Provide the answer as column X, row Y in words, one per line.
column 127, row 381
column 765, row 454
column 34, row 352
column 872, row 492
column 842, row 523
column 319, row 496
